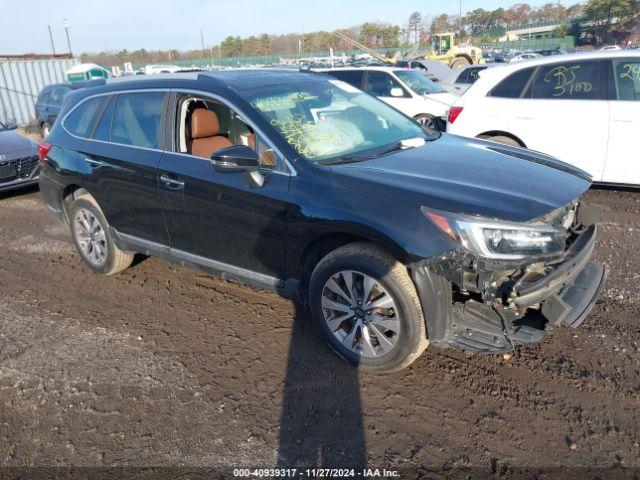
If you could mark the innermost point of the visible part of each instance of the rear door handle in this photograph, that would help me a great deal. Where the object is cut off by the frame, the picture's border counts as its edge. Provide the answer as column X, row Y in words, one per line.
column 93, row 163
column 172, row 183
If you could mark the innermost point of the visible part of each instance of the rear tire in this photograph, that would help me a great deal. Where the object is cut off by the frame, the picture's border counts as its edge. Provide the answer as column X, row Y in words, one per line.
column 503, row 139
column 93, row 240
column 386, row 330
column 428, row 121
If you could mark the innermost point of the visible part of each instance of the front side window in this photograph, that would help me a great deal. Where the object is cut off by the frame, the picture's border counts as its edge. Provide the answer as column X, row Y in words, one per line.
column 328, row 119
column 380, row 84
column 80, row 120
column 626, row 73
column 418, row 82
column 205, row 126
column 567, row 81
column 136, row 119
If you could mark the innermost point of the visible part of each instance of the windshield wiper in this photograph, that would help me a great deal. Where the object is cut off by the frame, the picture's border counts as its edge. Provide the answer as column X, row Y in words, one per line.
column 401, row 145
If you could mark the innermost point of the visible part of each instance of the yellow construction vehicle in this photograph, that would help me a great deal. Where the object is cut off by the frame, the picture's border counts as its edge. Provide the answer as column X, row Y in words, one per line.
column 444, row 49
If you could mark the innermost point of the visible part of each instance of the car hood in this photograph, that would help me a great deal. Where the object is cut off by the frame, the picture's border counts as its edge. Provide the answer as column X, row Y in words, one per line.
column 12, row 143
column 473, row 177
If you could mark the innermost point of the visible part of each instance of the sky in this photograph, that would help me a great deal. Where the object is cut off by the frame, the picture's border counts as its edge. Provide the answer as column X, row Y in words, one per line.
column 163, row 24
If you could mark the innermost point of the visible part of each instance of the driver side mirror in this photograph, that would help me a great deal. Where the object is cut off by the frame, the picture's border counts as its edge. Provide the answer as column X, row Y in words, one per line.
column 396, row 92
column 11, row 125
column 239, row 158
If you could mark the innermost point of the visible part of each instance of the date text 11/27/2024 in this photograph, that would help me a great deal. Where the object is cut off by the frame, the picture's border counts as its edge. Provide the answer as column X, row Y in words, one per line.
column 315, row 472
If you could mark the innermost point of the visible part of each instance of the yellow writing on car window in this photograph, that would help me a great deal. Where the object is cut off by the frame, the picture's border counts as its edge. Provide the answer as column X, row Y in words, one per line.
column 281, row 102
column 302, row 134
column 566, row 82
column 632, row 72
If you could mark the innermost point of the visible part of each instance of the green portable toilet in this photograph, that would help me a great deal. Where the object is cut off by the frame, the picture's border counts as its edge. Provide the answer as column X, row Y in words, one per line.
column 85, row 71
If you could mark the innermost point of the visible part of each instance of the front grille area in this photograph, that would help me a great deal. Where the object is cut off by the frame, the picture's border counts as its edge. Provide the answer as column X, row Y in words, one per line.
column 26, row 166
column 20, row 169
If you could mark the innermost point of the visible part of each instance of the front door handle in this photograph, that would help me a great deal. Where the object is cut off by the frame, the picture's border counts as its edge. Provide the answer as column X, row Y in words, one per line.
column 172, row 183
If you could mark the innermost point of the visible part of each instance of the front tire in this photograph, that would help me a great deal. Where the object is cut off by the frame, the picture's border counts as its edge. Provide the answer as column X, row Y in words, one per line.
column 92, row 237
column 366, row 307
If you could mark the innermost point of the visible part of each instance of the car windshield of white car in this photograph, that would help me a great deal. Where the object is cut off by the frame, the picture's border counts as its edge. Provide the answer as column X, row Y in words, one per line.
column 329, row 119
column 418, row 82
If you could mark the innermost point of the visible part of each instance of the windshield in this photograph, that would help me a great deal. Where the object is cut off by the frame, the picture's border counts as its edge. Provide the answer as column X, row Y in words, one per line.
column 2, row 126
column 417, row 82
column 327, row 119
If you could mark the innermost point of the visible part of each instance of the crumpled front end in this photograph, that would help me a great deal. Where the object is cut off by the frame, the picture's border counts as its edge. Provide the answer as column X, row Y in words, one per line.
column 497, row 304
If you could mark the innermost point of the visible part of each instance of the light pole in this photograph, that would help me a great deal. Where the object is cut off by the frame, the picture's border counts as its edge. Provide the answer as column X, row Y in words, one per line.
column 53, row 47
column 65, row 22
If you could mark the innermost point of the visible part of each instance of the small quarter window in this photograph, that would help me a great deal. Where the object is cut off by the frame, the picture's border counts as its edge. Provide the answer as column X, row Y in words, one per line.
column 81, row 119
column 513, row 85
column 103, row 129
column 136, row 119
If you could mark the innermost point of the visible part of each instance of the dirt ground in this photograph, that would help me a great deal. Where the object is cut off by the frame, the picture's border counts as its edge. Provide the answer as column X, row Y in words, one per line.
column 165, row 366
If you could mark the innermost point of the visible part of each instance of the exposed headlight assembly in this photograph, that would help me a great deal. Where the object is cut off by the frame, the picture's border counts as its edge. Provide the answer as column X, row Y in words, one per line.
column 499, row 240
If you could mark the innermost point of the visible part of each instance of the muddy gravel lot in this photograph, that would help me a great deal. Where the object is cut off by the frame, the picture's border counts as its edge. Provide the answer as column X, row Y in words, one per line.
column 165, row 366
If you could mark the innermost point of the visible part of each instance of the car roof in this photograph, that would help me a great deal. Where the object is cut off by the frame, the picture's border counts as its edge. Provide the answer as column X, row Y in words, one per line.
column 239, row 79
column 364, row 67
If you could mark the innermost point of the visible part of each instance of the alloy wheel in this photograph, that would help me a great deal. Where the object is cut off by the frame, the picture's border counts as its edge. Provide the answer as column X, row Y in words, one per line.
column 360, row 313
column 427, row 122
column 91, row 237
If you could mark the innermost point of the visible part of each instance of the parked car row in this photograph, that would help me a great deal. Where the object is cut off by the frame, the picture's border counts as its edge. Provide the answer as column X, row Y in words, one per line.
column 583, row 109
column 395, row 236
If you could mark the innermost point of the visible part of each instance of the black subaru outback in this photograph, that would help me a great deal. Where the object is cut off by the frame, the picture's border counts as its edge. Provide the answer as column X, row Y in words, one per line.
column 394, row 236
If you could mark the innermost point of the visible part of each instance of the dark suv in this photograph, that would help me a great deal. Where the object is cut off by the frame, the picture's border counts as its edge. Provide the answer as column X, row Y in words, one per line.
column 394, row 236
column 50, row 102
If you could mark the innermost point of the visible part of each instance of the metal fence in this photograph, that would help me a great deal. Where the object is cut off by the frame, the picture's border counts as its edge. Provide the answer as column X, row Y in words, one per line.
column 532, row 44
column 21, row 82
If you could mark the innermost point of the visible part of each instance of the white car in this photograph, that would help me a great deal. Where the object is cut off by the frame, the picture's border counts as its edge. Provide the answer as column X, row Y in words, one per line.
column 460, row 79
column 525, row 56
column 406, row 90
column 583, row 109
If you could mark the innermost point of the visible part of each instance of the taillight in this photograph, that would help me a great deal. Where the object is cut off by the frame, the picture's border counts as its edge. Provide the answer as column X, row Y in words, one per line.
column 454, row 112
column 43, row 150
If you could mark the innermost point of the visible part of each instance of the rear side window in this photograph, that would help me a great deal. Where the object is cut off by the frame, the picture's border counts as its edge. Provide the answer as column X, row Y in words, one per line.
column 627, row 79
column 56, row 96
column 44, row 96
column 136, row 119
column 352, row 77
column 567, row 81
column 471, row 75
column 513, row 85
column 80, row 120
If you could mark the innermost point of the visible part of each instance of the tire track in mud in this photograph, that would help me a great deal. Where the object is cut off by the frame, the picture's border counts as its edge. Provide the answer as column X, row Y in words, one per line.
column 571, row 400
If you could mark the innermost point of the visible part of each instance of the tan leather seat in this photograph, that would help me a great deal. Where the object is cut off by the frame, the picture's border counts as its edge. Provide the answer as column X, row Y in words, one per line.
column 204, row 133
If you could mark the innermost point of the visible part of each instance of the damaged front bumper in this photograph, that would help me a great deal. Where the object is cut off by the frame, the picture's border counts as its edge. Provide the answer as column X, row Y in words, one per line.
column 494, row 308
